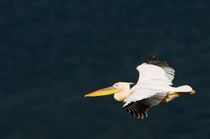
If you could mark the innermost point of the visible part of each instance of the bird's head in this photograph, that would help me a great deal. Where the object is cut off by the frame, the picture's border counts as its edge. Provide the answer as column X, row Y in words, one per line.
column 116, row 88
column 122, row 85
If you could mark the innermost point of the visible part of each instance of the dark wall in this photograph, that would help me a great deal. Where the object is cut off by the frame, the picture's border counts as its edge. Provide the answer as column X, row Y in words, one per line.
column 54, row 52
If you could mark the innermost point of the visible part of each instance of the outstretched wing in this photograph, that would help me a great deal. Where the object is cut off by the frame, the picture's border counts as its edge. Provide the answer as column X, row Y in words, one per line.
column 155, row 71
column 141, row 100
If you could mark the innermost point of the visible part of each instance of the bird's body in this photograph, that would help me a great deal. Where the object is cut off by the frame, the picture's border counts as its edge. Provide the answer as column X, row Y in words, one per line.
column 153, row 88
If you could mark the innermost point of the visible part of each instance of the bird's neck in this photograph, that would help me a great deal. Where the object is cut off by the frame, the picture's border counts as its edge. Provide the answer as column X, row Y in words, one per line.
column 121, row 96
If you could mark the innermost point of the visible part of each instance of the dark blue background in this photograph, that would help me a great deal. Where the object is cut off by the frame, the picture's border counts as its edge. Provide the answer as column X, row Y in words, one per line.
column 54, row 52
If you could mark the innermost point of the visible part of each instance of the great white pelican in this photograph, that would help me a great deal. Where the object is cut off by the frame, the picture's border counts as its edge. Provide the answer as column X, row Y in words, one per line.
column 154, row 87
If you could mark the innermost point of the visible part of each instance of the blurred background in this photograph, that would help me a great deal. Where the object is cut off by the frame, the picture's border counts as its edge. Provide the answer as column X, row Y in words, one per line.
column 54, row 52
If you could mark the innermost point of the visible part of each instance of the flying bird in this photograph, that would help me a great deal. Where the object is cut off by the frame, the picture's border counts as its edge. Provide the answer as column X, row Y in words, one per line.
column 154, row 87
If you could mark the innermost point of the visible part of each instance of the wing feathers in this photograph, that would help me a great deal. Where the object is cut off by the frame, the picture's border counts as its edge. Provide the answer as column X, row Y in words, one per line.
column 139, row 108
column 154, row 70
column 147, row 93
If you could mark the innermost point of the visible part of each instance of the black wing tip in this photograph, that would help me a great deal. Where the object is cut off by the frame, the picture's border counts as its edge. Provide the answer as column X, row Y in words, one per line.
column 136, row 111
column 137, row 114
column 150, row 58
column 154, row 60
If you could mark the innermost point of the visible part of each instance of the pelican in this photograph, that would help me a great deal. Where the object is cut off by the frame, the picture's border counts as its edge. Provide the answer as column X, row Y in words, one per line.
column 153, row 87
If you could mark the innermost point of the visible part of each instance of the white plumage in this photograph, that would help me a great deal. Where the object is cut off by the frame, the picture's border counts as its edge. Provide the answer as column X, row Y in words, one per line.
column 152, row 74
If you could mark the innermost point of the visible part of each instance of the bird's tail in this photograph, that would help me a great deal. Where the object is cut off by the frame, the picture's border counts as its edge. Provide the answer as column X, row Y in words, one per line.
column 178, row 91
column 184, row 90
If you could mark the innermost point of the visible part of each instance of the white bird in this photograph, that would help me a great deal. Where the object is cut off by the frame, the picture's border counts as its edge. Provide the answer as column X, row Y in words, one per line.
column 153, row 88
